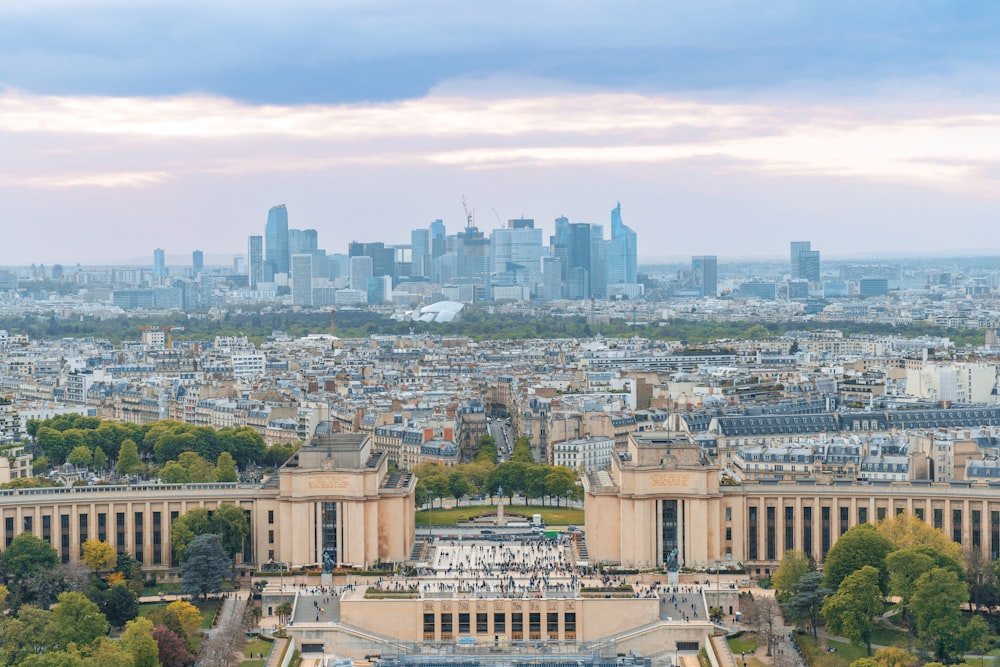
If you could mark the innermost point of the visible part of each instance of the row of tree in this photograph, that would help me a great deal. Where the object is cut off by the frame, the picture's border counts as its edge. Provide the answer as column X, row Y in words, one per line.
column 901, row 562
column 172, row 451
column 519, row 476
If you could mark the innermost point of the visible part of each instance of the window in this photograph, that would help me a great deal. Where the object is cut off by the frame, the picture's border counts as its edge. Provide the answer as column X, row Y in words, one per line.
column 499, row 623
column 534, row 625
column 446, row 632
column 463, row 624
column 517, row 625
column 569, row 623
column 752, row 533
column 825, row 530
column 729, row 534
column 552, row 625
column 482, row 623
column 771, row 546
column 729, row 514
column 807, row 531
column 956, row 526
column 428, row 627
column 789, row 528
column 270, row 516
column 270, row 537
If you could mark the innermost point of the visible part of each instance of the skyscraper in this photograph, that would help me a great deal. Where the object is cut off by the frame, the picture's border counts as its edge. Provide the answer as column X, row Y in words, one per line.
column 517, row 253
column 276, row 239
column 302, row 279
column 198, row 261
column 255, row 263
column 622, row 251
column 420, row 242
column 578, row 249
column 361, row 271
column 705, row 275
column 809, row 265
column 159, row 263
column 796, row 248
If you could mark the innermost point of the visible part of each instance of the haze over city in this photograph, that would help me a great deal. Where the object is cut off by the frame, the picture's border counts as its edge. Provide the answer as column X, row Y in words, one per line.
column 722, row 128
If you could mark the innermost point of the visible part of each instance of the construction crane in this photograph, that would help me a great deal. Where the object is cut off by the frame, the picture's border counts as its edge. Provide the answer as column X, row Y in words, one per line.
column 166, row 328
column 468, row 213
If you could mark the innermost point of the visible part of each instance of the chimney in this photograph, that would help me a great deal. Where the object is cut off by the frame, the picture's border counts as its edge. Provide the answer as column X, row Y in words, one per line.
column 428, row 434
column 449, row 435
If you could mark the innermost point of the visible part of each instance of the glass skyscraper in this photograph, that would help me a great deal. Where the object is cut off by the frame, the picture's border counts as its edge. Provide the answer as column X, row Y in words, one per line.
column 276, row 239
column 622, row 253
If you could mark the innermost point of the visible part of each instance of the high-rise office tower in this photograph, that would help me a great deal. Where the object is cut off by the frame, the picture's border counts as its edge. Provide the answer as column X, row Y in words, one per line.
column 302, row 279
column 255, row 260
column 517, row 253
column 622, row 251
column 598, row 262
column 559, row 244
column 705, row 275
column 798, row 247
column 198, row 261
column 159, row 263
column 420, row 242
column 578, row 248
column 361, row 271
column 276, row 239
column 383, row 259
column 551, row 279
column 809, row 265
column 302, row 240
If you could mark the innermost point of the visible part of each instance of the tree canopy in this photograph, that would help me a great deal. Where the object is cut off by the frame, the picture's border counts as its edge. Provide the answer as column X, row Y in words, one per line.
column 860, row 546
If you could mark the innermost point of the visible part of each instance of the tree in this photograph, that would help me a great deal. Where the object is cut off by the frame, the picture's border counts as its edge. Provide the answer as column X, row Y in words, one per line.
column 283, row 611
column 905, row 567
column 205, row 566
column 763, row 615
column 794, row 565
column 860, row 546
column 100, row 459
column 937, row 599
column 188, row 526
column 458, row 485
column 852, row 610
column 171, row 649
column 200, row 470
column 560, row 482
column 906, row 531
column 75, row 619
column 128, row 458
column 230, row 523
column 27, row 554
column 138, row 640
column 893, row 656
column 225, row 468
column 807, row 600
column 180, row 617
column 81, row 456
column 534, row 481
column 99, row 556
column 174, row 473
column 981, row 579
column 119, row 604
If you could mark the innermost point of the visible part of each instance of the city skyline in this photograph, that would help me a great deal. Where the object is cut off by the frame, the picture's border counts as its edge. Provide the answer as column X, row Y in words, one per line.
column 866, row 130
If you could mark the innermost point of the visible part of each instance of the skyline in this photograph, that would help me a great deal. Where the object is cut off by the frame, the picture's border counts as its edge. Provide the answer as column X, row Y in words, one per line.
column 867, row 131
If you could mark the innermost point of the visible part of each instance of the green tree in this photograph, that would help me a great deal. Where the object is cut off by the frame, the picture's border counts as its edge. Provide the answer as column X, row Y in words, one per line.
column 75, row 619
column 174, row 473
column 852, row 610
column 138, row 640
column 27, row 554
column 100, row 459
column 937, row 599
column 119, row 604
column 534, row 481
column 188, row 526
column 128, row 458
column 807, row 600
column 458, row 485
column 860, row 546
column 205, row 566
column 225, row 468
column 560, row 482
column 905, row 567
column 230, row 523
column 81, row 456
column 794, row 565
column 906, row 531
column 200, row 470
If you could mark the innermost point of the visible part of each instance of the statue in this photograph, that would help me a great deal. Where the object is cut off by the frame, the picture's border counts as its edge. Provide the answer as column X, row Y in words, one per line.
column 329, row 564
column 672, row 565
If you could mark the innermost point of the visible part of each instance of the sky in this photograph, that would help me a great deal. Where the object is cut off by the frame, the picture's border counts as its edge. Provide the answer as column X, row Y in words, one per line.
column 723, row 127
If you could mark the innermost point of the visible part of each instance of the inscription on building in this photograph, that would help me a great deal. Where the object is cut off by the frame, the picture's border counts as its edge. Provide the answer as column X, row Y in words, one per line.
column 671, row 479
column 328, row 483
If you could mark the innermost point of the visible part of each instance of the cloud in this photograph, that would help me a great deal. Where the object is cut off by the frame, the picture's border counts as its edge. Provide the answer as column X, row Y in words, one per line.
column 135, row 142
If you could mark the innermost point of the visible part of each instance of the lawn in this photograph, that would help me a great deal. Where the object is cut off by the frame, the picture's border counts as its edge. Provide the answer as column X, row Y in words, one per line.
column 207, row 608
column 742, row 644
column 844, row 653
column 553, row 516
column 884, row 636
column 252, row 648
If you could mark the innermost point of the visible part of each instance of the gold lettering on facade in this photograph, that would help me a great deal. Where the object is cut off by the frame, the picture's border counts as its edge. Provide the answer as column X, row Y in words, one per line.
column 328, row 483
column 675, row 479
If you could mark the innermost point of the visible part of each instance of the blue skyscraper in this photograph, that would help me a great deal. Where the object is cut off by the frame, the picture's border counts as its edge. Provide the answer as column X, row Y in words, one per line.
column 159, row 263
column 276, row 239
column 255, row 260
column 622, row 253
column 197, row 261
column 420, row 242
column 705, row 275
